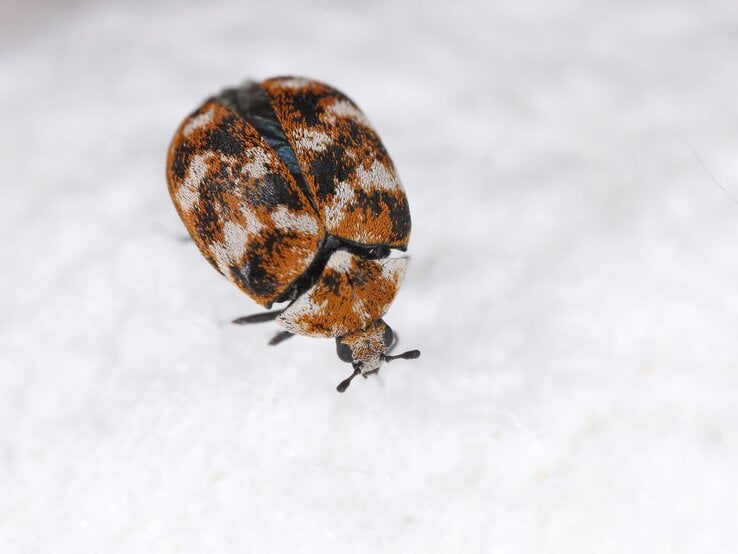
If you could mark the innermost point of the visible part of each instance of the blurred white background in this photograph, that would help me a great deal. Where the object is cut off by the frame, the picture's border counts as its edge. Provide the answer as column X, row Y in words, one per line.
column 573, row 286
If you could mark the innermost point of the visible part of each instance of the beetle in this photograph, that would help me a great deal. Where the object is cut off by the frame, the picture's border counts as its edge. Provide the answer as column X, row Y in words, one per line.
column 287, row 191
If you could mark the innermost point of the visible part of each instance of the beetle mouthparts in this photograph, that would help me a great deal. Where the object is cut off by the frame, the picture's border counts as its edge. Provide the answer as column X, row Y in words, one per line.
column 409, row 355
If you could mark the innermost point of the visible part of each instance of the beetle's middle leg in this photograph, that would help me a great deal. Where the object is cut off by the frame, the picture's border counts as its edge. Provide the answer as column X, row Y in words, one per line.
column 257, row 318
column 261, row 318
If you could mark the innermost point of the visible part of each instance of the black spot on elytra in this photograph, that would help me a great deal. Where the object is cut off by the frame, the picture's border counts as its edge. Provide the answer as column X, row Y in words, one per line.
column 208, row 220
column 375, row 203
column 263, row 279
column 272, row 191
column 330, row 167
column 332, row 281
column 254, row 276
column 360, row 133
column 400, row 216
column 306, row 103
column 361, row 137
column 212, row 209
column 223, row 138
column 270, row 240
column 181, row 162
column 372, row 202
column 361, row 275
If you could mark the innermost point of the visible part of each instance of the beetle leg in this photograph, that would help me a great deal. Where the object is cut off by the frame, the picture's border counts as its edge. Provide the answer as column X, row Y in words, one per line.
column 343, row 385
column 257, row 318
column 280, row 337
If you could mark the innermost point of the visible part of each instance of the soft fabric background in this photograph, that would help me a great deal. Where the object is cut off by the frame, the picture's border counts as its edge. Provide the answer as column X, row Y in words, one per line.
column 573, row 286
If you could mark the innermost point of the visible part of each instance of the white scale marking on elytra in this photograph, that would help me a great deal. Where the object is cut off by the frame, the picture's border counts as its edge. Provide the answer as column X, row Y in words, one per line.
column 308, row 257
column 188, row 194
column 336, row 210
column 256, row 168
column 378, row 177
column 293, row 82
column 229, row 251
column 235, row 238
column 253, row 223
column 289, row 221
column 361, row 236
column 360, row 309
column 304, row 306
column 309, row 139
column 344, row 108
column 198, row 121
column 340, row 261
column 393, row 269
column 336, row 330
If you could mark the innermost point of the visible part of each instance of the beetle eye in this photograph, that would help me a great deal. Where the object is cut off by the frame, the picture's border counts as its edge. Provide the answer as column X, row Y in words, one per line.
column 344, row 352
column 389, row 338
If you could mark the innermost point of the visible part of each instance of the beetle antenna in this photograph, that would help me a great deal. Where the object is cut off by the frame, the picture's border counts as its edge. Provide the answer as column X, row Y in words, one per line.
column 343, row 385
column 409, row 355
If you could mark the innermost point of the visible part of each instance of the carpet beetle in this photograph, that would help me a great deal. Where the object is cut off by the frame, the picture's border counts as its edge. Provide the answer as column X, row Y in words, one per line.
column 288, row 192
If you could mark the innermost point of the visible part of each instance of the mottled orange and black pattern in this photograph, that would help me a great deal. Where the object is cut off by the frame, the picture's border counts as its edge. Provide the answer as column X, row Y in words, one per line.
column 240, row 203
column 354, row 182
column 351, row 293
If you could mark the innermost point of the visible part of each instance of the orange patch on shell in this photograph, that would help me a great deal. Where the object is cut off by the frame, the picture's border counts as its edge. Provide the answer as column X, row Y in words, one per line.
column 351, row 293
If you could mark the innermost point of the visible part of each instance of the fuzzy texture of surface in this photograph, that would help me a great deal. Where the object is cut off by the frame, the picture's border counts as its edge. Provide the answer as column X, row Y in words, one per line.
column 572, row 176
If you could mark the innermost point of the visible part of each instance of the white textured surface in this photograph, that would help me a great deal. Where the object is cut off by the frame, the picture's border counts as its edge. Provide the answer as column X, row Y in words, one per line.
column 573, row 287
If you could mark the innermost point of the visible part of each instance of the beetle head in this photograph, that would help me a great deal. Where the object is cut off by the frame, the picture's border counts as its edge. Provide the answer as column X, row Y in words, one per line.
column 366, row 349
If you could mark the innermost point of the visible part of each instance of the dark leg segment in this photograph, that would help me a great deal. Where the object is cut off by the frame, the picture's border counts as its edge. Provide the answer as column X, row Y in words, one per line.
column 280, row 337
column 343, row 385
column 257, row 318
